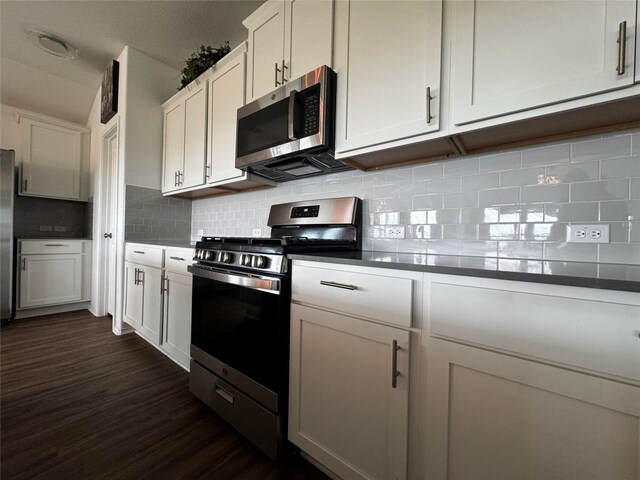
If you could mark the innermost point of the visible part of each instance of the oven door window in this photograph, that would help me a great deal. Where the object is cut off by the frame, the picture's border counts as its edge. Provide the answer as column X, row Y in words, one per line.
column 244, row 328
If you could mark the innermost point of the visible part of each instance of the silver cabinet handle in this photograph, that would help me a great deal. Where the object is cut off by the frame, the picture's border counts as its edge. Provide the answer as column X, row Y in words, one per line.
column 180, row 175
column 141, row 279
column 164, row 285
column 139, row 251
column 177, row 258
column 284, row 67
column 135, row 276
column 221, row 392
column 207, row 173
column 622, row 47
column 429, row 98
column 54, row 245
column 276, row 73
column 338, row 285
column 108, row 235
column 26, row 183
column 24, row 264
column 394, row 364
column 175, row 178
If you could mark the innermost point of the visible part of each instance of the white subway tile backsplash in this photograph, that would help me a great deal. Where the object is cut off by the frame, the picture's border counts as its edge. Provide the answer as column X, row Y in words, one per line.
column 515, row 203
column 601, row 148
column 548, row 155
column 545, row 194
column 621, row 167
column 601, row 190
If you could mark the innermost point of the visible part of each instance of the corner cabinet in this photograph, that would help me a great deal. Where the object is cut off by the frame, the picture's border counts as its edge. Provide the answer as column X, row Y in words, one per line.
column 514, row 56
column 53, row 157
column 287, row 38
column 547, row 388
column 387, row 57
column 350, row 368
column 185, row 132
column 157, row 297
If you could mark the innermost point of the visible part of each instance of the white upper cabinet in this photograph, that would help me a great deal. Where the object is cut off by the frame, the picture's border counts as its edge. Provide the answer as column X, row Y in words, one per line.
column 517, row 55
column 51, row 155
column 185, row 134
column 226, row 95
column 287, row 38
column 387, row 57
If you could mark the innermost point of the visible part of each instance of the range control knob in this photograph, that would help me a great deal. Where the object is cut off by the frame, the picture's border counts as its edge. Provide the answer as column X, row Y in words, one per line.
column 259, row 261
column 200, row 254
column 245, row 260
column 226, row 257
column 208, row 255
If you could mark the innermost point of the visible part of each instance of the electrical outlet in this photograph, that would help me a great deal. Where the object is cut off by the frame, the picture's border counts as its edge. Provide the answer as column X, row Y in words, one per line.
column 257, row 232
column 45, row 228
column 200, row 232
column 394, row 232
column 588, row 233
column 59, row 228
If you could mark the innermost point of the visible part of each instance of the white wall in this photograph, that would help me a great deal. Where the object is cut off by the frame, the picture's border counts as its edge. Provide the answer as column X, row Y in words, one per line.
column 8, row 128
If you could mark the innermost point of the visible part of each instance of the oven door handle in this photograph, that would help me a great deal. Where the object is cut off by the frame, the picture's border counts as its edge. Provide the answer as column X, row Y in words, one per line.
column 269, row 285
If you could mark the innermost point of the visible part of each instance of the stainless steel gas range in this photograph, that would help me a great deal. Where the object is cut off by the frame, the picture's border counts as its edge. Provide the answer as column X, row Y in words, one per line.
column 240, row 313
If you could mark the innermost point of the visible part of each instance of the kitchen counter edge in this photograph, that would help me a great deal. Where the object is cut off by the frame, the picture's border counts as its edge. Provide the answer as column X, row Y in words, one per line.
column 576, row 274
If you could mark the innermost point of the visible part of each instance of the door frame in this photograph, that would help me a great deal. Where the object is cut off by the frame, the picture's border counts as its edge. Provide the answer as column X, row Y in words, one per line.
column 101, row 221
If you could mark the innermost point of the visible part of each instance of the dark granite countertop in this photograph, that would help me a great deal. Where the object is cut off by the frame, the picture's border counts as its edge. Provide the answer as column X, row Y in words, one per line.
column 164, row 243
column 577, row 274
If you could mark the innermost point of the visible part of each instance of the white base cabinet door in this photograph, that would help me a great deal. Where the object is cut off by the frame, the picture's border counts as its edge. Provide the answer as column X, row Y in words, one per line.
column 513, row 56
column 499, row 417
column 50, row 279
column 150, row 327
column 176, row 336
column 133, row 295
column 347, row 409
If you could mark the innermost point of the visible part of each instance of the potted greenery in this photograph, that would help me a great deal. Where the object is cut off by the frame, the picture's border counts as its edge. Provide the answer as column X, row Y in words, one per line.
column 200, row 61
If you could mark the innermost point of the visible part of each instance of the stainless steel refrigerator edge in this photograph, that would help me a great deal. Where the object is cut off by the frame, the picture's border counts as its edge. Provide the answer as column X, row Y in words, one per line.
column 7, row 185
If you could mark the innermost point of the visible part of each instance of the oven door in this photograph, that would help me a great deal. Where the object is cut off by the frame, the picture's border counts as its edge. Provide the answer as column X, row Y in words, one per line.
column 240, row 331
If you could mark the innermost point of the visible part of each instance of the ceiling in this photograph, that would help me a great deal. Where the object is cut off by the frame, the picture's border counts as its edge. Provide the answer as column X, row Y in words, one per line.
column 167, row 30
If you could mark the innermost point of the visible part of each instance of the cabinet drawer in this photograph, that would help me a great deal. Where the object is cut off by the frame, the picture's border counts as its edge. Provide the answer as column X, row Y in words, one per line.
column 597, row 335
column 178, row 259
column 376, row 296
column 150, row 255
column 51, row 246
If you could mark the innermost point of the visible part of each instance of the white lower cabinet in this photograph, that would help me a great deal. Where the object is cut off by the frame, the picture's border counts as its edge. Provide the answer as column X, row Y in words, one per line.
column 529, row 381
column 349, row 383
column 347, row 408
column 496, row 416
column 52, row 272
column 157, row 298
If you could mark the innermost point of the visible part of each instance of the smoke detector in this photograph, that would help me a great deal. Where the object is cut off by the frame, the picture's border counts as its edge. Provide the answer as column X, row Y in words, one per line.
column 52, row 44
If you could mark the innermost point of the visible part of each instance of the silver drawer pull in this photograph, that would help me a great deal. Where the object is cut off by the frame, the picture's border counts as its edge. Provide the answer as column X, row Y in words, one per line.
column 54, row 245
column 338, row 285
column 177, row 258
column 221, row 392
column 138, row 251
column 394, row 364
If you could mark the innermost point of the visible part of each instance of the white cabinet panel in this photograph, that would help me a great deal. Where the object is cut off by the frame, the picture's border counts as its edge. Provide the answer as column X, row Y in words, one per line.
column 133, row 295
column 177, row 317
column 386, row 56
column 173, row 145
column 50, row 279
column 226, row 95
column 195, row 142
column 344, row 410
column 515, row 55
column 499, row 417
column 151, row 324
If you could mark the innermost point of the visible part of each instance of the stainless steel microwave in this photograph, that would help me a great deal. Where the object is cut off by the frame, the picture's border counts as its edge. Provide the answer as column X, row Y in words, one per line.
column 289, row 133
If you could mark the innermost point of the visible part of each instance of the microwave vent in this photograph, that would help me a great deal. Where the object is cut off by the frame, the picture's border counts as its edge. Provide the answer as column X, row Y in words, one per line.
column 269, row 173
column 328, row 161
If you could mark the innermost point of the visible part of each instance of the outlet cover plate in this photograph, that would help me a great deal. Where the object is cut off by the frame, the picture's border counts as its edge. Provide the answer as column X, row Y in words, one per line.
column 396, row 231
column 257, row 232
column 597, row 233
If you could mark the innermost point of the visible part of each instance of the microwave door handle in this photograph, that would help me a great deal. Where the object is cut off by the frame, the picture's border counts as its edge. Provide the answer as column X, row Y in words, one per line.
column 292, row 130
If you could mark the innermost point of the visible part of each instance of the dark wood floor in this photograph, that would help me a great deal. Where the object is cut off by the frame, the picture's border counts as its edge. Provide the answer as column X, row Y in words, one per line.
column 78, row 402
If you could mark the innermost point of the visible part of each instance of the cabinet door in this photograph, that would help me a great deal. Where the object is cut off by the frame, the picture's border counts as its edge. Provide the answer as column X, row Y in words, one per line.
column 343, row 409
column 516, row 55
column 195, row 137
column 151, row 324
column 266, row 49
column 495, row 416
column 177, row 317
column 387, row 54
column 50, row 280
column 51, row 160
column 133, row 295
column 308, row 36
column 173, row 145
column 226, row 95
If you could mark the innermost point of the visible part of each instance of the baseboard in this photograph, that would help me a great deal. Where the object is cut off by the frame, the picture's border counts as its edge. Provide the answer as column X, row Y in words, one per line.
column 124, row 330
column 67, row 307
